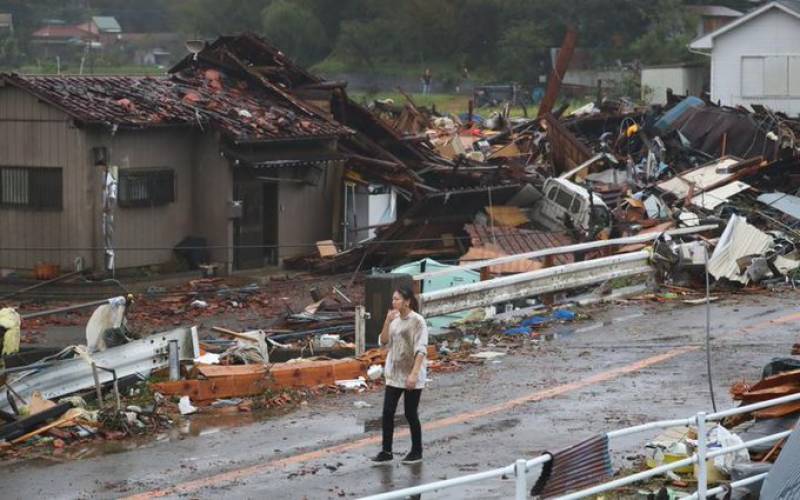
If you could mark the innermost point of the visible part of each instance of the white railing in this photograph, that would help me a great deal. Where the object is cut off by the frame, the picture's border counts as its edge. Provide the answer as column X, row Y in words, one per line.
column 522, row 466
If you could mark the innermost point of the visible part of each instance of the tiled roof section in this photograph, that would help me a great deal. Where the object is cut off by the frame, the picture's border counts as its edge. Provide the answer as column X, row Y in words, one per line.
column 62, row 32
column 514, row 240
column 195, row 98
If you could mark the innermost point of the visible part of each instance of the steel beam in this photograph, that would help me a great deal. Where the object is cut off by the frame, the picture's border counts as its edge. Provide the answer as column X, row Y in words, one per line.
column 533, row 283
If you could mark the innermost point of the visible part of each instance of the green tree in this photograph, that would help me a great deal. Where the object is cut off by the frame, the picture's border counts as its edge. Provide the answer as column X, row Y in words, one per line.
column 296, row 31
column 521, row 49
column 210, row 18
column 365, row 43
column 668, row 35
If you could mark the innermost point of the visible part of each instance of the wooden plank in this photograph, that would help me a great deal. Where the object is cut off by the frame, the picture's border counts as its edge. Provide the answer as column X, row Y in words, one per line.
column 769, row 393
column 214, row 371
column 785, row 378
column 221, row 387
column 778, row 411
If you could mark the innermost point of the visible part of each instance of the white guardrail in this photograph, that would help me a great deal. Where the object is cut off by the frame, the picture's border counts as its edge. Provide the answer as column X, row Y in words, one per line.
column 522, row 466
column 548, row 280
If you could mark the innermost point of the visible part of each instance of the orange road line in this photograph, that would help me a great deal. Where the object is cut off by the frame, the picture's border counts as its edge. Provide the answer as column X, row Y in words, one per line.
column 238, row 474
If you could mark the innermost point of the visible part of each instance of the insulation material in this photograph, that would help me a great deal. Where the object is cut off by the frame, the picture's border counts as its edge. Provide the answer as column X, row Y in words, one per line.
column 739, row 239
column 10, row 321
column 507, row 216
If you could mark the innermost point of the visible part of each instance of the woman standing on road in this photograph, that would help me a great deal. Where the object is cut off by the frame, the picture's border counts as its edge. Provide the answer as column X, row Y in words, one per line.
column 406, row 335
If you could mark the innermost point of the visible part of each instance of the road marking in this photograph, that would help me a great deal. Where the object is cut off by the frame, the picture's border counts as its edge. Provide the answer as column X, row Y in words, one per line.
column 238, row 474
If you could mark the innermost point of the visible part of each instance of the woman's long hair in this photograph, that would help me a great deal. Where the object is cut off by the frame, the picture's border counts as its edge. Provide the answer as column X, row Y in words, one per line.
column 408, row 294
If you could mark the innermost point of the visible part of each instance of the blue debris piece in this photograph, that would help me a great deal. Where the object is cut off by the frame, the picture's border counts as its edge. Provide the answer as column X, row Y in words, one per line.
column 519, row 330
column 564, row 315
column 559, row 315
column 536, row 321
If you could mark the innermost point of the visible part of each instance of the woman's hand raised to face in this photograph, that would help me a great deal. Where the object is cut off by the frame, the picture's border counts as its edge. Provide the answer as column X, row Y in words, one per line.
column 391, row 315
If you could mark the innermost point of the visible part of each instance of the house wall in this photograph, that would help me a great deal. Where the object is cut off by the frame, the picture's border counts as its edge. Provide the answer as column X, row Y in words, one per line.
column 213, row 189
column 772, row 33
column 681, row 79
column 305, row 212
column 33, row 134
column 146, row 235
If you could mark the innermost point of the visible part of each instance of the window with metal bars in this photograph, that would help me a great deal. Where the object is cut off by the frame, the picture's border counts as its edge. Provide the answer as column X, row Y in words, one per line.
column 35, row 188
column 146, row 188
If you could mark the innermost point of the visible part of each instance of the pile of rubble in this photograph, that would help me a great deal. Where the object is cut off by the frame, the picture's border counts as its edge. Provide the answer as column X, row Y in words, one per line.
column 607, row 170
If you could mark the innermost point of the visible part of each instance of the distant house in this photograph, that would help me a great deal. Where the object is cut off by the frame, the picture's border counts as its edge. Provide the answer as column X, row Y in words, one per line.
column 208, row 152
column 106, row 28
column 63, row 41
column 713, row 17
column 6, row 22
column 756, row 58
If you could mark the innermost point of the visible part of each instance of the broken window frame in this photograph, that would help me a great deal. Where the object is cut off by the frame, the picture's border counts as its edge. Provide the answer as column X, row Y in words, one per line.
column 146, row 187
column 32, row 188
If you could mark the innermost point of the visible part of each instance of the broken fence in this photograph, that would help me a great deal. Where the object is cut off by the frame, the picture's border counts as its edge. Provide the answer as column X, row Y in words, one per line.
column 522, row 467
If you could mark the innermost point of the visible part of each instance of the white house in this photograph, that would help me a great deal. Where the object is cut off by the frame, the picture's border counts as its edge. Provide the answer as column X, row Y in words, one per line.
column 756, row 58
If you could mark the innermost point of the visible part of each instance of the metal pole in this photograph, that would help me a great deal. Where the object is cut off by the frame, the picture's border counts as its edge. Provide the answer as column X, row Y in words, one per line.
column 708, row 335
column 174, row 360
column 520, row 471
column 97, row 386
column 116, row 390
column 67, row 308
column 361, row 327
column 702, row 472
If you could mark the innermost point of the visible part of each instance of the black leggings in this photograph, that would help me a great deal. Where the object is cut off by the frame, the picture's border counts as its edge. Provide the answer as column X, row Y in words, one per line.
column 410, row 404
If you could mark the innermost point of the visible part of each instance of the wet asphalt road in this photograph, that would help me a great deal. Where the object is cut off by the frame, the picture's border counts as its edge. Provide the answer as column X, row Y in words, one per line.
column 627, row 365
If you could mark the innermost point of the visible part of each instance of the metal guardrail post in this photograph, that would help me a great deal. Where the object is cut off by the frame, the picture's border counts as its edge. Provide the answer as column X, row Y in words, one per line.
column 521, row 482
column 702, row 471
column 174, row 360
column 361, row 330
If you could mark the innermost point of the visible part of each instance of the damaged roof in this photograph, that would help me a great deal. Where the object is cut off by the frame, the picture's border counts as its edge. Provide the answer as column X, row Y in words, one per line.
column 195, row 97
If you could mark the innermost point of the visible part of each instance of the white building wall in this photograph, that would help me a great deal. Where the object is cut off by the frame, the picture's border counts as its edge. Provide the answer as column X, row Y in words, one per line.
column 681, row 79
column 774, row 33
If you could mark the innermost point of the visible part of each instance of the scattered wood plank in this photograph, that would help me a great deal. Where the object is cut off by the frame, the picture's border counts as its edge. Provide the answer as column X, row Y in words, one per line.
column 214, row 371
column 216, row 388
column 769, row 393
column 777, row 411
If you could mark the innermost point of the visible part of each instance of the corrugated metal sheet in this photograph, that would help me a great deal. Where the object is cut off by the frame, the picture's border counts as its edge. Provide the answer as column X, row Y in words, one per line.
column 786, row 203
column 739, row 239
column 716, row 197
column 783, row 480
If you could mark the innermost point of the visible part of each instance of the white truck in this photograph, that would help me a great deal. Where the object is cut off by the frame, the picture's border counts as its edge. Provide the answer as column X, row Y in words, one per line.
column 564, row 200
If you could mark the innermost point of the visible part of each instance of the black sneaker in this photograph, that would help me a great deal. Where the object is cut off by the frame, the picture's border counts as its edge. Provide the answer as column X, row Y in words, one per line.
column 412, row 458
column 384, row 457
